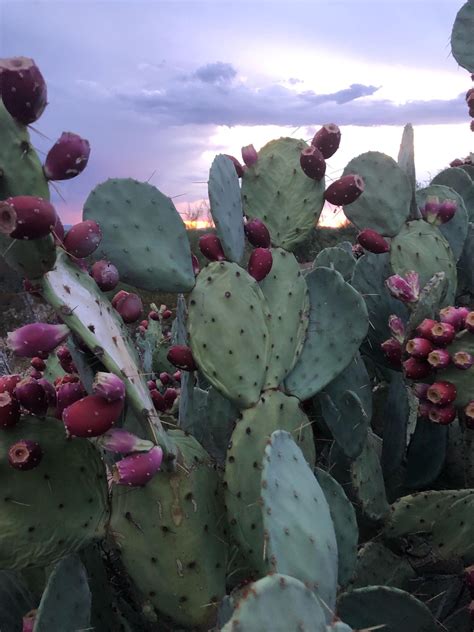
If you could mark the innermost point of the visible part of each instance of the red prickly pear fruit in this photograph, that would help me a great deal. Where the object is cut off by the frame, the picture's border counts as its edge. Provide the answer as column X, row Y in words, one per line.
column 416, row 369
column 177, row 376
column 152, row 385
column 109, row 386
column 23, row 89
column 34, row 217
column 118, row 297
column 257, row 233
column 9, row 410
column 105, row 274
column 169, row 396
column 346, row 190
column 260, row 263
column 442, row 415
column 181, row 357
column 65, row 359
column 469, row 322
column 238, row 167
column 211, row 247
column 424, row 328
column 373, row 241
column 392, row 350
column 165, row 378
column 29, row 621
column 31, row 396
column 38, row 363
column 49, row 390
column 469, row 415
column 28, row 341
column 83, row 239
column 141, row 331
column 130, row 308
column 312, row 163
column 91, row 416
column 195, row 264
column 158, row 401
column 153, row 315
column 35, row 374
column 24, row 454
column 439, row 358
column 442, row 334
column 441, row 393
column 66, row 395
column 420, row 390
column 249, row 155
column 137, row 469
column 8, row 383
column 166, row 314
column 424, row 409
column 419, row 347
column 455, row 316
column 123, row 442
column 446, row 211
column 67, row 158
column 463, row 360
column 327, row 139
column 144, row 324
column 456, row 163
column 65, row 379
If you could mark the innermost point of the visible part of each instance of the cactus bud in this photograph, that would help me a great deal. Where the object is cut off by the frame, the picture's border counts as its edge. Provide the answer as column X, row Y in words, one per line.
column 32, row 340
column 9, row 410
column 165, row 378
column 392, row 350
column 124, row 442
column 260, row 263
column 29, row 621
column 67, row 158
column 23, row 89
column 249, row 155
column 441, row 393
column 238, row 167
column 257, row 233
column 372, row 241
column 167, row 313
column 177, row 376
column 439, row 358
column 25, row 455
column 65, row 359
column 31, row 396
column 83, row 239
column 211, row 247
column 416, row 369
column 405, row 289
column 152, row 385
column 346, row 190
column 312, row 163
column 108, row 386
column 181, row 357
column 105, row 274
column 419, row 347
column 327, row 139
column 138, row 469
column 397, row 327
column 38, row 363
column 91, row 416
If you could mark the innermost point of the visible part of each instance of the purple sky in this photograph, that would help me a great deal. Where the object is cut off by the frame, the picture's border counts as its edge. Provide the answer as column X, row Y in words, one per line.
column 161, row 87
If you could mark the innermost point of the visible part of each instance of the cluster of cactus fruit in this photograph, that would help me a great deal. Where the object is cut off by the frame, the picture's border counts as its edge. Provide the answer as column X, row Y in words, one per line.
column 292, row 448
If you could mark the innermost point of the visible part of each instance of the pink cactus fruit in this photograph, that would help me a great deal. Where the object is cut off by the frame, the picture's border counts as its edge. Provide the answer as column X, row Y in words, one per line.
column 469, row 415
column 238, row 167
column 425, row 327
column 32, row 217
column 249, row 155
column 420, row 390
column 130, row 307
column 392, row 350
column 123, row 442
column 105, row 274
column 83, row 239
column 455, row 316
column 442, row 334
column 165, row 378
column 439, row 358
column 177, row 376
column 138, row 469
column 158, row 401
column 181, row 357
column 442, row 415
column 260, row 263
column 153, row 315
column 49, row 391
column 442, row 393
column 257, row 233
column 66, row 394
column 406, row 289
column 430, row 210
column 416, row 369
column 32, row 340
column 31, row 396
column 346, row 190
column 469, row 322
column 167, row 313
column 463, row 360
column 152, row 385
column 373, row 241
column 211, row 247
column 170, row 396
column 397, row 327
column 91, row 416
column 29, row 621
column 9, row 410
column 23, row 89
column 327, row 139
column 446, row 212
column 312, row 163
column 38, row 363
column 65, row 360
column 109, row 386
column 25, row 454
column 67, row 158
column 419, row 347
column 118, row 297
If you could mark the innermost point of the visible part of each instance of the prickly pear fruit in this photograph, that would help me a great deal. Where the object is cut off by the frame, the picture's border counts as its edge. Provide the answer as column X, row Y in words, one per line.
column 416, row 369
column 38, row 363
column 397, row 327
column 249, row 155
column 257, row 233
column 442, row 334
column 405, row 289
column 105, row 274
column 32, row 340
column 31, row 396
column 66, row 394
column 137, row 469
column 443, row 415
column 123, row 442
column 49, row 391
column 118, row 297
column 169, row 396
column 65, row 359
column 165, row 378
column 441, row 393
column 32, row 216
column 373, row 241
column 91, row 416
column 83, row 239
column 181, row 357
column 109, row 386
column 260, row 263
column 238, row 167
column 130, row 308
column 446, row 212
column 455, row 316
column 463, row 360
column 469, row 415
column 158, row 401
column 392, row 350
column 211, row 247
column 23, row 89
column 8, row 383
column 419, row 347
column 425, row 327
column 312, row 163
column 9, row 410
column 438, row 358
column 327, row 139
column 469, row 322
column 67, row 158
column 345, row 190
column 24, row 454
column 29, row 621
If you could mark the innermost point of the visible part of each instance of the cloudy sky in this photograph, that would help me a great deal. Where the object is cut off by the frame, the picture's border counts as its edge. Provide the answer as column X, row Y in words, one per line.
column 160, row 87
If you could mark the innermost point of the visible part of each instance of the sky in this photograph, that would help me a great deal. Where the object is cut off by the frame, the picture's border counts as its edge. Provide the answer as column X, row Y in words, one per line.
column 161, row 87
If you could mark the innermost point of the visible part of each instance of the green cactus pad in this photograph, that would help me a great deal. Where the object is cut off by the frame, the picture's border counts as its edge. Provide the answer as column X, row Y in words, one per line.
column 55, row 508
column 66, row 603
column 20, row 168
column 346, row 420
column 221, row 416
column 299, row 535
column 15, row 601
column 276, row 190
column 170, row 536
column 226, row 207
column 454, row 231
column 406, row 161
column 395, row 416
column 179, row 334
column 453, row 532
column 422, row 248
column 378, row 566
column 461, row 36
column 424, row 466
column 338, row 259
column 339, row 626
column 286, row 295
column 277, row 603
column 345, row 525
column 338, row 323
column 462, row 379
column 466, row 264
column 384, row 205
column 228, row 331
column 391, row 608
column 454, row 178
column 368, row 484
column 31, row 258
column 469, row 169
column 142, row 234
column 274, row 411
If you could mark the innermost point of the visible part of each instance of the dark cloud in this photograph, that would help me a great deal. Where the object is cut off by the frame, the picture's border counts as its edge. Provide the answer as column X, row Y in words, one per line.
column 218, row 72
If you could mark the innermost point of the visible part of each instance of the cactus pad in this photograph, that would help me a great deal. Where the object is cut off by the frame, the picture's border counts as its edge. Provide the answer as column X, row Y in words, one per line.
column 31, row 258
column 378, row 566
column 368, row 484
column 461, row 36
column 338, row 259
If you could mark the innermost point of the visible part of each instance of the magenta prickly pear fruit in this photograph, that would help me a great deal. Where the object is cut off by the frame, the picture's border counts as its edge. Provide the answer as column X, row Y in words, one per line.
column 238, row 167
column 181, row 357
column 195, row 264
column 25, row 454
column 392, row 350
column 65, row 379
column 167, row 313
column 442, row 415
column 124, row 442
column 35, row 374
column 312, row 163
column 345, row 190
column 405, row 289
column 23, row 89
column 158, row 401
column 152, row 385
column 260, row 263
column 9, row 410
column 65, row 360
column 138, row 469
column 67, row 158
column 424, row 409
column 29, row 621
column 456, row 163
column 91, row 416
column 7, row 218
column 38, row 363
column 397, row 327
column 420, row 390
column 469, row 415
column 419, row 347
column 105, row 274
column 154, row 315
column 439, row 358
column 66, row 394
column 165, row 378
column 109, row 386
column 49, row 391
column 144, row 324
column 327, row 139
column 463, row 360
column 249, row 155
column 83, row 239
column 442, row 334
column 455, row 316
column 469, row 322
column 34, row 217
column 373, row 241
column 416, row 369
column 31, row 396
column 177, row 376
column 211, row 247
column 424, row 328
column 28, row 341
column 257, row 233
column 441, row 393
column 118, row 297
column 130, row 308
column 446, row 212
column 430, row 210
column 8, row 383
column 169, row 396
